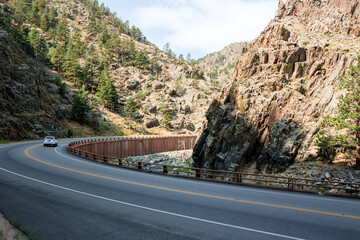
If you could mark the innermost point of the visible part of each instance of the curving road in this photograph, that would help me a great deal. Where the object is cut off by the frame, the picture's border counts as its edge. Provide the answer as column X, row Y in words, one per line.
column 61, row 196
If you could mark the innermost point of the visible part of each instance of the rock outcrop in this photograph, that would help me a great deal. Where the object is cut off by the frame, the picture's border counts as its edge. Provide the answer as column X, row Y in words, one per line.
column 218, row 66
column 30, row 106
column 282, row 87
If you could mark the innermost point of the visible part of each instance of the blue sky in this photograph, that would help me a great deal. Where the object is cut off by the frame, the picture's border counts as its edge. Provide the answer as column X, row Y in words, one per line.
column 197, row 27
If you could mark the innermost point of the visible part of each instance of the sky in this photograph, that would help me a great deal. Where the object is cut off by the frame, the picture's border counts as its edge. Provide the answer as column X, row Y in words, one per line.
column 198, row 27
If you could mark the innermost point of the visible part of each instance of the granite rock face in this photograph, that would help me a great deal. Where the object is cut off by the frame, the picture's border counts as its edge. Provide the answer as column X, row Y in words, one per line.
column 282, row 87
column 30, row 107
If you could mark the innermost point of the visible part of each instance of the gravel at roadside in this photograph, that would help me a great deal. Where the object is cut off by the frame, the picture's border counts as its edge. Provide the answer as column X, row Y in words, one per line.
column 8, row 232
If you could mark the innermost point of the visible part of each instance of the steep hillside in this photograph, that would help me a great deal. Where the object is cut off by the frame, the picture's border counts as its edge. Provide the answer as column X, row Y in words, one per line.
column 154, row 88
column 129, row 81
column 218, row 66
column 282, row 88
column 27, row 102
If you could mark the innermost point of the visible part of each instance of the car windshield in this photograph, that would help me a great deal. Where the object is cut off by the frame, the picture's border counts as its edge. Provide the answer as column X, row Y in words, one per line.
column 49, row 138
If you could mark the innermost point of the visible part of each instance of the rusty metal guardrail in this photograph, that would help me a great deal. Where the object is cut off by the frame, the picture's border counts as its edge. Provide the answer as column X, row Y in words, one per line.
column 114, row 151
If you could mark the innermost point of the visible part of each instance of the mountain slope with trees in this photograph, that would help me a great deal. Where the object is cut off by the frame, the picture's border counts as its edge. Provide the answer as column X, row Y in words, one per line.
column 87, row 46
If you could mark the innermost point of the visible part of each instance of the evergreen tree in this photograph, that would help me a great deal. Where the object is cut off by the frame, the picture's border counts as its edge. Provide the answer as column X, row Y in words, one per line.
column 168, row 51
column 44, row 24
column 22, row 9
column 80, row 106
column 104, row 36
column 142, row 60
column 107, row 92
column 131, row 106
column 58, row 57
column 128, row 53
column 61, row 29
column 188, row 57
column 347, row 117
column 92, row 26
column 4, row 21
column 34, row 14
column 76, row 43
column 52, row 17
column 38, row 43
column 71, row 66
column 23, row 38
column 91, row 70
column 122, row 27
column 52, row 34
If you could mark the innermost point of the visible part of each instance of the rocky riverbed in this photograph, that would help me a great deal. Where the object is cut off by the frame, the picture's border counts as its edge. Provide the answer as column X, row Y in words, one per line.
column 312, row 170
column 178, row 162
column 322, row 171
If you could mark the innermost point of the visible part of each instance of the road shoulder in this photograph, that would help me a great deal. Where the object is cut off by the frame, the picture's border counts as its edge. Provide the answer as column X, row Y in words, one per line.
column 8, row 232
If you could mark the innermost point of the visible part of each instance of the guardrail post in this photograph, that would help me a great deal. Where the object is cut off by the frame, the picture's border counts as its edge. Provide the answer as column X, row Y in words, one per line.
column 165, row 169
column 239, row 177
column 290, row 183
column 197, row 173
column 140, row 165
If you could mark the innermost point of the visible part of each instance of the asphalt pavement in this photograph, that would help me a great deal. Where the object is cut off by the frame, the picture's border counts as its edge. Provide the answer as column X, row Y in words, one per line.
column 61, row 196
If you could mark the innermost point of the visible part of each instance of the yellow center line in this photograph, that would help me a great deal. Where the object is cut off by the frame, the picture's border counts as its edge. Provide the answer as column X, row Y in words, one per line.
column 26, row 151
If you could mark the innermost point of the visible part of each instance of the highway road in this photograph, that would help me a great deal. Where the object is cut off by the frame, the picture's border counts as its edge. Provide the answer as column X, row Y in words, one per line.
column 61, row 196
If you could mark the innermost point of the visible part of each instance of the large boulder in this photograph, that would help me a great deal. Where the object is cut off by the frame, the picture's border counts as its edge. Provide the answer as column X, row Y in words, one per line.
column 150, row 123
column 132, row 84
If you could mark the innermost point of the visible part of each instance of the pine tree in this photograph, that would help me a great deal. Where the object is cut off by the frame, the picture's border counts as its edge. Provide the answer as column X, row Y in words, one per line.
column 61, row 29
column 72, row 69
column 22, row 10
column 52, row 17
column 128, row 53
column 34, row 14
column 23, row 38
column 38, row 43
column 80, row 106
column 92, row 26
column 58, row 57
column 188, row 57
column 4, row 21
column 131, row 106
column 44, row 24
column 168, row 50
column 348, row 115
column 107, row 92
column 141, row 60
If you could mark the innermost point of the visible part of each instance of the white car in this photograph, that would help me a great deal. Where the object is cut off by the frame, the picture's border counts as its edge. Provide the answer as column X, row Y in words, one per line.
column 50, row 141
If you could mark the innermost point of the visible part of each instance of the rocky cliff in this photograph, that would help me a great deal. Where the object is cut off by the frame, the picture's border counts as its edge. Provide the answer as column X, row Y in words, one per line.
column 281, row 88
column 30, row 105
column 218, row 66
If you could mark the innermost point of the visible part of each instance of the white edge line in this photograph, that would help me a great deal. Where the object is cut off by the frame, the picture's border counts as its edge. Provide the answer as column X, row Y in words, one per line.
column 322, row 198
column 152, row 209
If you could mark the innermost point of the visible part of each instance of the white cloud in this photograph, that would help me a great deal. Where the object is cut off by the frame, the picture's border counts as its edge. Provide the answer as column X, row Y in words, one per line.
column 202, row 26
